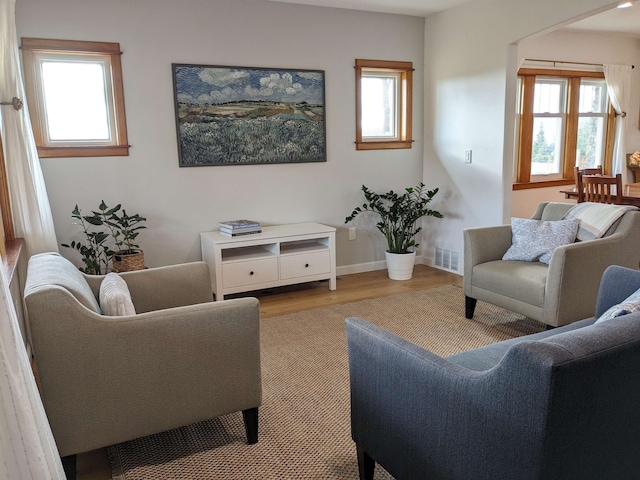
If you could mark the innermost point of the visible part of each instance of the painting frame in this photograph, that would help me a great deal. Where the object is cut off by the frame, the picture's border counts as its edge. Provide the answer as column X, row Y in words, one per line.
column 234, row 115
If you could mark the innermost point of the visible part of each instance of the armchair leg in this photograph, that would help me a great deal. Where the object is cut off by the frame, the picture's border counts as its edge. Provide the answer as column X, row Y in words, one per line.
column 250, row 417
column 469, row 306
column 69, row 466
column 366, row 464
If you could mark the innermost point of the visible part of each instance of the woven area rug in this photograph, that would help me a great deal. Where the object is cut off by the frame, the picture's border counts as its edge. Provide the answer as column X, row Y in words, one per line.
column 304, row 420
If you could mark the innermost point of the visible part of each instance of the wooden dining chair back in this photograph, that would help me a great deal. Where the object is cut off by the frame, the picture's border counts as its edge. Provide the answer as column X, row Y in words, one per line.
column 578, row 173
column 602, row 188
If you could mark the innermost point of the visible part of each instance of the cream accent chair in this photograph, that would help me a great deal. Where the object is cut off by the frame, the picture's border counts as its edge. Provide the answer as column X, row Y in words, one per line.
column 556, row 294
column 105, row 379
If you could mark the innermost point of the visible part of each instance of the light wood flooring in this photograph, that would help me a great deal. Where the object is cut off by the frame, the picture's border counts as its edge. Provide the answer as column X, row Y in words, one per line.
column 284, row 300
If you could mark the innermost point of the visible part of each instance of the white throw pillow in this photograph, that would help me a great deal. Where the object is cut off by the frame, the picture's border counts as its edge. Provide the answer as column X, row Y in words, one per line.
column 115, row 298
column 629, row 305
column 535, row 240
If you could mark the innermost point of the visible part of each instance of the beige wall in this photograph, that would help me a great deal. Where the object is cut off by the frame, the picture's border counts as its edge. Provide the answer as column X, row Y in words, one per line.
column 464, row 80
column 182, row 202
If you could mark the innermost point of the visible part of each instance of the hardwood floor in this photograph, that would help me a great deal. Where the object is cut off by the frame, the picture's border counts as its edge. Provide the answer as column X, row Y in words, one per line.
column 296, row 298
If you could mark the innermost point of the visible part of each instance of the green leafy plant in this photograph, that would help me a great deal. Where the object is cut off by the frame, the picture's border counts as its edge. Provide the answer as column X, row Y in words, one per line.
column 95, row 249
column 126, row 230
column 399, row 214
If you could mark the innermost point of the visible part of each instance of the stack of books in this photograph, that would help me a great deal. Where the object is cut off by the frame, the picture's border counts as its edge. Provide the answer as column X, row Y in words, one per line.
column 234, row 228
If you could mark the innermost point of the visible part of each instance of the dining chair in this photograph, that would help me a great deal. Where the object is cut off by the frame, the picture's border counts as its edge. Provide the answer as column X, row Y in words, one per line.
column 600, row 189
column 578, row 173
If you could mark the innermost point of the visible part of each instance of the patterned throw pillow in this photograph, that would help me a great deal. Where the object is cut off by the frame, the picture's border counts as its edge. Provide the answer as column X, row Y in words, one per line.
column 629, row 305
column 535, row 240
column 115, row 298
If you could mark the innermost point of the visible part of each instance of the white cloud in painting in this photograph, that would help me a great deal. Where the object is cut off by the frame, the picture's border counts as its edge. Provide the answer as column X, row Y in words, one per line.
column 221, row 77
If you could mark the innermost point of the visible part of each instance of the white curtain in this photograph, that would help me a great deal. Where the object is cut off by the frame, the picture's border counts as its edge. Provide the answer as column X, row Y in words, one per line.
column 29, row 201
column 27, row 446
column 618, row 78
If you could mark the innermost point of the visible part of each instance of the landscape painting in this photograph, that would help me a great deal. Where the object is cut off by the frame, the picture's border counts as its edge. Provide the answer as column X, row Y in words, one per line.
column 244, row 116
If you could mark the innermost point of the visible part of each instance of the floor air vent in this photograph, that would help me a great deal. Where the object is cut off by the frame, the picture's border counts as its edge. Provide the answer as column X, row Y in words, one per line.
column 447, row 259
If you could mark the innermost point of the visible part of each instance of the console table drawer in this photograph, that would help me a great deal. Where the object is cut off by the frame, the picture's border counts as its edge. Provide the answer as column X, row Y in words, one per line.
column 250, row 272
column 294, row 266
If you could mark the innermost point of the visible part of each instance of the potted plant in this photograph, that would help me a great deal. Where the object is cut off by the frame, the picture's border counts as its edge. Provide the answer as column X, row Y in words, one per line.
column 123, row 252
column 399, row 214
column 128, row 255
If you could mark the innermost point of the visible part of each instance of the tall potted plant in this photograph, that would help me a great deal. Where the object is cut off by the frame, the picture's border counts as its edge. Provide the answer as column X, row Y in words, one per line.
column 399, row 214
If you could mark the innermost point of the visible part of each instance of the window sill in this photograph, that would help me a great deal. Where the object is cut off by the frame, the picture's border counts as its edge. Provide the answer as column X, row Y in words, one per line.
column 396, row 144
column 14, row 248
column 66, row 152
column 552, row 183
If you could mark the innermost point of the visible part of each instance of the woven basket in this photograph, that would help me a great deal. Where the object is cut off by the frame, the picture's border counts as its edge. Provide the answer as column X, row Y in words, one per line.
column 127, row 262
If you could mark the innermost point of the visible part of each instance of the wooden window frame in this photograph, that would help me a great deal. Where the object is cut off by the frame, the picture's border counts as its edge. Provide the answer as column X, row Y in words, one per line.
column 404, row 107
column 525, row 133
column 32, row 46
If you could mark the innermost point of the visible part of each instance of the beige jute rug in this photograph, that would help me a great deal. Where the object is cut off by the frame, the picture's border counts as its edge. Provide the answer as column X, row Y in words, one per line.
column 304, row 420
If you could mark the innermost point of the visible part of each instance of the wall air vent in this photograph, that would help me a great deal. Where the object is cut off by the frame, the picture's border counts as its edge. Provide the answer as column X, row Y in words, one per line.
column 447, row 259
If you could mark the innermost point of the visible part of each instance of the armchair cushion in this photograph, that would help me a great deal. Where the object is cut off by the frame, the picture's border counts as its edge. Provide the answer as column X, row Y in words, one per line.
column 115, row 299
column 535, row 240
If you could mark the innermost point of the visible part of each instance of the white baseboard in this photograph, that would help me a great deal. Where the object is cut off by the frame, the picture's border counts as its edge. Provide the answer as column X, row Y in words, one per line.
column 361, row 267
column 379, row 265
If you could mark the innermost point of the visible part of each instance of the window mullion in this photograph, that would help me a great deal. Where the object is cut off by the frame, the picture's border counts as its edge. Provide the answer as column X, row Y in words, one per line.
column 526, row 129
column 571, row 127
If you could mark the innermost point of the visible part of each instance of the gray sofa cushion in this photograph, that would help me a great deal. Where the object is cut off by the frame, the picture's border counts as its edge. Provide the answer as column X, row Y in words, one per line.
column 47, row 269
column 484, row 358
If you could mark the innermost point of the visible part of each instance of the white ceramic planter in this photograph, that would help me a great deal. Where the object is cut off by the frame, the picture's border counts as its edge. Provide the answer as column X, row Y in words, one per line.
column 400, row 265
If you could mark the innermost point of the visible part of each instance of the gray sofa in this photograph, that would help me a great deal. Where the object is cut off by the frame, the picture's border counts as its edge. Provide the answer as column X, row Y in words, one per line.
column 559, row 293
column 181, row 359
column 561, row 404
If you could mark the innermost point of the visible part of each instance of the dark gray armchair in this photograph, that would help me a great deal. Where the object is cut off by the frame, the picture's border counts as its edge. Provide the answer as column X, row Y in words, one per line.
column 561, row 404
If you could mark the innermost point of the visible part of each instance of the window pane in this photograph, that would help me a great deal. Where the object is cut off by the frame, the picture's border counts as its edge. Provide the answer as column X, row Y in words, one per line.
column 590, row 142
column 379, row 96
column 549, row 96
column 592, row 97
column 547, row 146
column 75, row 101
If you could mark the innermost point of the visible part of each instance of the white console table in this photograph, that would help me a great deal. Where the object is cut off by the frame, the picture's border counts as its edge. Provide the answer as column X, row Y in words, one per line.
column 280, row 255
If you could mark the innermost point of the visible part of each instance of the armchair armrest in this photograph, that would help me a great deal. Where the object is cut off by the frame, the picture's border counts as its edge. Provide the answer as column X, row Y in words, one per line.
column 483, row 244
column 408, row 405
column 581, row 263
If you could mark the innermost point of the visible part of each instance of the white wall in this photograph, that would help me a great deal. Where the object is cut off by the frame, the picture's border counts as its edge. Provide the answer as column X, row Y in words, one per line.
column 471, row 65
column 589, row 48
column 182, row 202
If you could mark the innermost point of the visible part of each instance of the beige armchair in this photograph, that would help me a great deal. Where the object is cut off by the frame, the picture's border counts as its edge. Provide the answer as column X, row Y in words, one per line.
column 181, row 359
column 559, row 293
